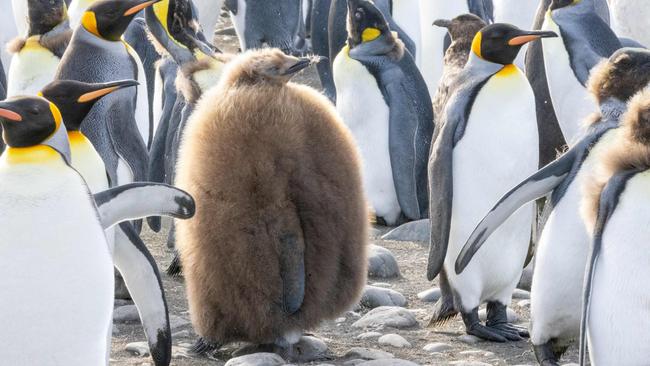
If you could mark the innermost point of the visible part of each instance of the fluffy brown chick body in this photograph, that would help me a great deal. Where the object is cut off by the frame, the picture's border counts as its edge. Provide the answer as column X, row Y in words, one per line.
column 266, row 159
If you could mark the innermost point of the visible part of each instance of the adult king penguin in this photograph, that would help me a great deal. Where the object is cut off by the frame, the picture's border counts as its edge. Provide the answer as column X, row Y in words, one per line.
column 67, row 301
column 385, row 103
column 585, row 40
column 615, row 207
column 478, row 154
column 562, row 251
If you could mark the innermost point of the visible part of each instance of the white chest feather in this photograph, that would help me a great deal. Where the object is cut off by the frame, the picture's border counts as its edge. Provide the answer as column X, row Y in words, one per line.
column 56, row 272
column 571, row 100
column 31, row 69
column 89, row 164
column 142, row 105
column 498, row 150
column 364, row 110
column 157, row 99
column 239, row 21
column 619, row 316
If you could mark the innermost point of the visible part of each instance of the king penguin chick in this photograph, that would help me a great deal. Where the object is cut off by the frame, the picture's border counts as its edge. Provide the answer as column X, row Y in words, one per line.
column 480, row 153
column 279, row 240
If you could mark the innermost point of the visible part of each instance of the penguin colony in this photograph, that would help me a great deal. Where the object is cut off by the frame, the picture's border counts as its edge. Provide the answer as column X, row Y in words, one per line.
column 114, row 111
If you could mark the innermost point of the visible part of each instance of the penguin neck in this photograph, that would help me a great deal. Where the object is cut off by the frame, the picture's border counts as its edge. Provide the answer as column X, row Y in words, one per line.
column 34, row 155
column 77, row 138
column 477, row 64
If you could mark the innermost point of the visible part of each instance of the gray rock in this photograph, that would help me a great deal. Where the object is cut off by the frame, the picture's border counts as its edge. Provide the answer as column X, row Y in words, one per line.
column 376, row 296
column 388, row 362
column 387, row 316
column 374, row 233
column 256, row 359
column 394, row 340
column 353, row 362
column 469, row 363
column 369, row 335
column 512, row 316
column 470, row 352
column 366, row 354
column 469, row 339
column 437, row 347
column 520, row 294
column 418, row 231
column 382, row 263
column 125, row 314
column 308, row 349
column 140, row 349
column 381, row 284
column 176, row 322
column 430, row 295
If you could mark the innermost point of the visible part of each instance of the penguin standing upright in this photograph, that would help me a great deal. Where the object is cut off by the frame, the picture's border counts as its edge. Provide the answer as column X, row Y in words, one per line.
column 41, row 190
column 479, row 153
column 615, row 207
column 585, row 40
column 629, row 19
column 383, row 99
column 562, row 251
column 38, row 53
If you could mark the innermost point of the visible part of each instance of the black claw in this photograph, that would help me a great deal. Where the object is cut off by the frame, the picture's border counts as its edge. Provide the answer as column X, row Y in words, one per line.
column 474, row 327
column 507, row 332
column 202, row 346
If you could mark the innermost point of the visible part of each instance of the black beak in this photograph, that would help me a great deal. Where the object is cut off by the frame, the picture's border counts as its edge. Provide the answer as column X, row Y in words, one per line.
column 103, row 89
column 303, row 63
column 529, row 36
column 443, row 23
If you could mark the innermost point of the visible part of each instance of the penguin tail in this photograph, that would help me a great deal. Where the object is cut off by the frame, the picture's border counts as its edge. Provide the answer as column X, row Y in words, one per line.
column 175, row 268
column 443, row 311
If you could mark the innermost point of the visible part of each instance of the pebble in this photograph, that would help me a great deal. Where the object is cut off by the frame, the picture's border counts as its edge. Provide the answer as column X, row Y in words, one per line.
column 394, row 340
column 256, row 359
column 376, row 296
column 437, row 347
column 353, row 314
column 382, row 263
column 369, row 335
column 367, row 354
column 340, row 320
column 524, row 303
column 387, row 316
column 520, row 294
column 381, row 284
column 140, row 349
column 418, row 231
column 512, row 316
column 469, row 363
column 125, row 314
column 469, row 339
column 470, row 352
column 308, row 349
column 388, row 362
column 430, row 295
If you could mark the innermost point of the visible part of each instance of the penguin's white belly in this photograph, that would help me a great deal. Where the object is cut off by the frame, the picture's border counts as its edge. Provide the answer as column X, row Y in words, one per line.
column 571, row 100
column 498, row 150
column 433, row 38
column 406, row 14
column 159, row 89
column 239, row 21
column 364, row 111
column 31, row 69
column 630, row 19
column 142, row 103
column 56, row 275
column 90, row 165
column 619, row 314
column 556, row 293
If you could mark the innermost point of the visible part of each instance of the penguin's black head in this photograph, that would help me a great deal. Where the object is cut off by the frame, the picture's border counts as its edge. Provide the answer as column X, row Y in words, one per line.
column 365, row 22
column 557, row 4
column 500, row 43
column 75, row 99
column 108, row 19
column 44, row 15
column 28, row 121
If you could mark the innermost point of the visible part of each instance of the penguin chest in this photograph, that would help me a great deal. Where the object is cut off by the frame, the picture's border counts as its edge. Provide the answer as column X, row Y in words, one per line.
column 618, row 318
column 56, row 275
column 31, row 69
column 571, row 100
column 498, row 150
column 364, row 110
column 89, row 164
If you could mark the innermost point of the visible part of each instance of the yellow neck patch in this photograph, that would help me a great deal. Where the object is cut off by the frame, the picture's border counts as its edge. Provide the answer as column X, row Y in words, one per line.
column 507, row 70
column 38, row 154
column 370, row 34
column 77, row 138
column 476, row 44
column 57, row 115
column 89, row 22
column 32, row 43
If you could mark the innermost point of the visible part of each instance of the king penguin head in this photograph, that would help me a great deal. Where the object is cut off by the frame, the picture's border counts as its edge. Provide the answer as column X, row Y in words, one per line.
column 365, row 22
column 43, row 16
column 558, row 4
column 75, row 99
column 500, row 43
column 108, row 19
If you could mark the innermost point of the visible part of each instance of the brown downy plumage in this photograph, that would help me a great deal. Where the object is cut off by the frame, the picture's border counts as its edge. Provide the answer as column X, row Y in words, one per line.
column 266, row 159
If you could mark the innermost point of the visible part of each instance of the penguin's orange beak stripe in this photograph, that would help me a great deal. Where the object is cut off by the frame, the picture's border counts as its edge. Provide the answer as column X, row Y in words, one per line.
column 137, row 8
column 96, row 94
column 10, row 115
column 518, row 41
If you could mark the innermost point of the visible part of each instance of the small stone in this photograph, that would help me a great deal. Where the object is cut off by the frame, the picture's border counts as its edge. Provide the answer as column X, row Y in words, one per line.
column 418, row 231
column 308, row 349
column 376, row 296
column 382, row 263
column 520, row 294
column 125, row 314
column 488, row 354
column 469, row 363
column 394, row 340
column 430, row 295
column 256, row 359
column 366, row 354
column 381, row 284
column 369, row 335
column 387, row 316
column 470, row 352
column 353, row 314
column 176, row 322
column 140, row 349
column 340, row 320
column 469, row 339
column 512, row 316
column 353, row 362
column 437, row 347
column 389, row 362
column 524, row 303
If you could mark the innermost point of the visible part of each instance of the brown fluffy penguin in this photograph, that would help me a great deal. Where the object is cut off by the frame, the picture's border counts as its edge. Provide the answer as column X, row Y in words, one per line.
column 278, row 242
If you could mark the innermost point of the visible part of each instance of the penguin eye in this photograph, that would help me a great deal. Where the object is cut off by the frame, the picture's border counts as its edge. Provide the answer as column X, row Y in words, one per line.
column 358, row 15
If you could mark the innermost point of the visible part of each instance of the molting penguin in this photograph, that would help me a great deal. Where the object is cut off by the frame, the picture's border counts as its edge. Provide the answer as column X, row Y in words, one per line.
column 585, row 39
column 479, row 153
column 38, row 53
column 40, row 188
column 562, row 250
column 615, row 207
column 629, row 19
column 279, row 240
column 385, row 103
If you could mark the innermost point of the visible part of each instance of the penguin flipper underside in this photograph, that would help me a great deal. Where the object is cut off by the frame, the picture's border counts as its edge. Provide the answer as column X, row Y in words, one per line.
column 139, row 200
column 141, row 275
column 292, row 271
column 609, row 199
